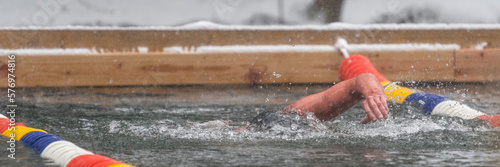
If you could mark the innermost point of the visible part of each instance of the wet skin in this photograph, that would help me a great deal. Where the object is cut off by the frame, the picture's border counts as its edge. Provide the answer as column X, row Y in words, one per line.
column 341, row 97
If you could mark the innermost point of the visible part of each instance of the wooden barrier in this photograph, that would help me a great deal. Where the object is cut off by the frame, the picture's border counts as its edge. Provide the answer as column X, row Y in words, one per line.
column 155, row 40
column 118, row 61
column 414, row 65
column 477, row 65
column 118, row 69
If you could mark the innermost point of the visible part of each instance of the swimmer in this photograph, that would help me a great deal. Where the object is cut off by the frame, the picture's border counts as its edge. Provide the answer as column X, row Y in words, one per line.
column 329, row 104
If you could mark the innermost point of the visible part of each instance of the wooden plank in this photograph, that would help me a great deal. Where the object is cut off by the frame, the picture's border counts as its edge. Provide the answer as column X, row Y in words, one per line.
column 118, row 69
column 173, row 69
column 413, row 65
column 477, row 65
column 156, row 40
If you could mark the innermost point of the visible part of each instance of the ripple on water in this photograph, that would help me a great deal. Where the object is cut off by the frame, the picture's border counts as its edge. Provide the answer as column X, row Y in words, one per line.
column 159, row 134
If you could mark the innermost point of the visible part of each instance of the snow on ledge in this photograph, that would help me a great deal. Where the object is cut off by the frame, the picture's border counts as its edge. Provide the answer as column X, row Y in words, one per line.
column 205, row 25
column 265, row 48
column 396, row 47
column 310, row 48
column 58, row 51
column 244, row 48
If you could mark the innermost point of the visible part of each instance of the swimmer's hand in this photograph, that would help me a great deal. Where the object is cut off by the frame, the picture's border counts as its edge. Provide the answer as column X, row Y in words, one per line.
column 375, row 107
column 375, row 101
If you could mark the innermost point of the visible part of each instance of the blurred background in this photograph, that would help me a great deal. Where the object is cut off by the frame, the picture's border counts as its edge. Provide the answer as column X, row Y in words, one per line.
column 243, row 12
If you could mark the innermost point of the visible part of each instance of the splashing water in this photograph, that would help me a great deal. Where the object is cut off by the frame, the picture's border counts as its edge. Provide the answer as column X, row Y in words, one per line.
column 276, row 75
column 157, row 134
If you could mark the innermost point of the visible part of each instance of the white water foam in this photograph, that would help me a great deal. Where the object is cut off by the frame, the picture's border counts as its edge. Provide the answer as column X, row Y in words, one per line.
column 393, row 128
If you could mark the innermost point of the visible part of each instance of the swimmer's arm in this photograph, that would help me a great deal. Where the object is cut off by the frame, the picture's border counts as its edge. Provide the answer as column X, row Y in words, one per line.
column 375, row 103
column 339, row 98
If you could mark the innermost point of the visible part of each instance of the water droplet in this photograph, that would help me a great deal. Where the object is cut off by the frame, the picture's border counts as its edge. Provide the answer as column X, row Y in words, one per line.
column 276, row 75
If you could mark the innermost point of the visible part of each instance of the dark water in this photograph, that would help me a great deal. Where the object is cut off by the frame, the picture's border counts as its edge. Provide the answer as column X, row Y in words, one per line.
column 151, row 129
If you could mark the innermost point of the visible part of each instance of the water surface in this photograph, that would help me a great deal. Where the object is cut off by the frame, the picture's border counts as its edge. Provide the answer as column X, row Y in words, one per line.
column 191, row 126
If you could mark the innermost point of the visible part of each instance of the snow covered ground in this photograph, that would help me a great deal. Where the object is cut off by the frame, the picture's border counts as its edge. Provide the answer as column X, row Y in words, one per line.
column 447, row 11
column 240, row 12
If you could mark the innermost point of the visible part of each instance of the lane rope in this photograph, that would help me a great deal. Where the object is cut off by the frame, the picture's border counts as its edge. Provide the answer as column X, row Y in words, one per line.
column 62, row 152
column 429, row 103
